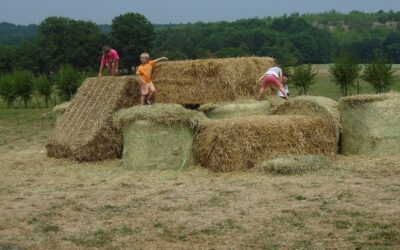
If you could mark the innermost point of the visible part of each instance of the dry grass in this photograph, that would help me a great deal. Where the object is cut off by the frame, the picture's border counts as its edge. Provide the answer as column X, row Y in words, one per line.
column 209, row 80
column 293, row 164
column 240, row 143
column 48, row 203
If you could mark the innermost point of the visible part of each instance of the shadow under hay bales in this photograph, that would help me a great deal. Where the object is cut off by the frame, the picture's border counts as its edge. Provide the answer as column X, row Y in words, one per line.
column 86, row 132
column 240, row 143
column 370, row 124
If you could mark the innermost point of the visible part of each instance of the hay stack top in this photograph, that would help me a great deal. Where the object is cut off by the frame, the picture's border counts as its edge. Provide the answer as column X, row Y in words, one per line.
column 164, row 114
column 209, row 80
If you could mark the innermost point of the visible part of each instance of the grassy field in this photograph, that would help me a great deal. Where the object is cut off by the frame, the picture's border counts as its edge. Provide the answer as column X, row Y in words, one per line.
column 59, row 204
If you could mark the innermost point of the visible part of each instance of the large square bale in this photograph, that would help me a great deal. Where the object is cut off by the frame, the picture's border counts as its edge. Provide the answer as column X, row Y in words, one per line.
column 86, row 131
column 158, row 137
column 240, row 143
column 209, row 80
column 370, row 124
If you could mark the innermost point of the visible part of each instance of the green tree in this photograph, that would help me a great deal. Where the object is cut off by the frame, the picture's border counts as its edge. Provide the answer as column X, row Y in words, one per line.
column 379, row 74
column 7, row 55
column 7, row 89
column 23, row 81
column 66, row 41
column 67, row 81
column 43, row 87
column 345, row 71
column 303, row 77
column 132, row 34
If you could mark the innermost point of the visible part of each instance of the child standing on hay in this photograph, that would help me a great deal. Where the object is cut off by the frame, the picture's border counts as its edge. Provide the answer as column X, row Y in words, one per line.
column 109, row 59
column 272, row 78
column 145, row 71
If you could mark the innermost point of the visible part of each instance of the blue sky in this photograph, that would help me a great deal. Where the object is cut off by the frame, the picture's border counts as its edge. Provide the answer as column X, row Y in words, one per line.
column 176, row 11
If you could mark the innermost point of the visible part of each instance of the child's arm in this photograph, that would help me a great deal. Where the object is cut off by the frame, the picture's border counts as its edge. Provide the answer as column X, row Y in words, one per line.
column 101, row 70
column 161, row 59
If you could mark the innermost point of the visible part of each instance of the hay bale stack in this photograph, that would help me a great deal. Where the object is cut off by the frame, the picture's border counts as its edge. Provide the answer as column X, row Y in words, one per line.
column 239, row 144
column 158, row 137
column 86, row 132
column 312, row 105
column 370, row 124
column 209, row 80
column 59, row 110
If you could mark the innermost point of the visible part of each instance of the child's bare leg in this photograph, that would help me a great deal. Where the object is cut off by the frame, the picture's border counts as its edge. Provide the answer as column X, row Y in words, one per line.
column 151, row 94
column 260, row 93
column 142, row 99
column 112, row 69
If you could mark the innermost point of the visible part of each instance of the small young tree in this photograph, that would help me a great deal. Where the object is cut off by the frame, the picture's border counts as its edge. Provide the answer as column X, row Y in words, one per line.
column 303, row 77
column 379, row 74
column 43, row 87
column 345, row 71
column 67, row 81
column 7, row 89
column 23, row 85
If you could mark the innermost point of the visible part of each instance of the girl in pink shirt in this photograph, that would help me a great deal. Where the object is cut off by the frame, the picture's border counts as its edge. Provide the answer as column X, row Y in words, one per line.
column 110, row 60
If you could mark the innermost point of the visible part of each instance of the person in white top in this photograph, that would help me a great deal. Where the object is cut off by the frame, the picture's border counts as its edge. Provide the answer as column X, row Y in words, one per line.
column 284, row 85
column 272, row 78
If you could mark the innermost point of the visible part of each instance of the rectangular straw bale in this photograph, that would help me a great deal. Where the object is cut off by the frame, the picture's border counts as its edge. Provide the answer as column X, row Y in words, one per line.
column 209, row 80
column 87, row 132
column 240, row 143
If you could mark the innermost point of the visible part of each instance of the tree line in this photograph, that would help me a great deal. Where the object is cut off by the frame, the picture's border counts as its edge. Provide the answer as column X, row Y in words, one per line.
column 57, row 45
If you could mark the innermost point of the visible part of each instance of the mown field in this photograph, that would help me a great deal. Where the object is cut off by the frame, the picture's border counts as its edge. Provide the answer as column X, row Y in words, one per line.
column 59, row 204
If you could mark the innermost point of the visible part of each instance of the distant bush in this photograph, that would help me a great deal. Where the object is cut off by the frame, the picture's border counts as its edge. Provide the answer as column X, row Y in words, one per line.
column 379, row 74
column 345, row 71
column 23, row 81
column 303, row 77
column 7, row 89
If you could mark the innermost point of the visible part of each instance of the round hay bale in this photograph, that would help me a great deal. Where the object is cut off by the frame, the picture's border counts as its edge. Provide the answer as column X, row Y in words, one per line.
column 209, row 80
column 158, row 137
column 293, row 164
column 59, row 110
column 370, row 124
column 240, row 143
column 312, row 105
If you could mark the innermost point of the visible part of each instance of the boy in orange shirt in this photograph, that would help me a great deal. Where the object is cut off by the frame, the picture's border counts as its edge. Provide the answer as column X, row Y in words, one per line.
column 145, row 71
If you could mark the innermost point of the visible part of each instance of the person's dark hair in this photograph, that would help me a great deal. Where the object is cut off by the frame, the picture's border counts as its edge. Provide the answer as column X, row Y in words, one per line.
column 285, row 74
column 106, row 48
